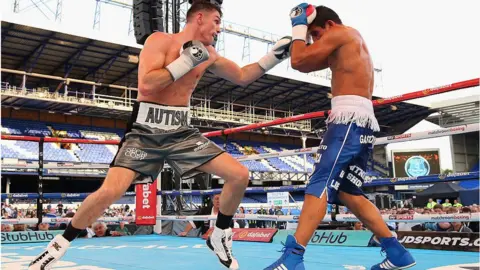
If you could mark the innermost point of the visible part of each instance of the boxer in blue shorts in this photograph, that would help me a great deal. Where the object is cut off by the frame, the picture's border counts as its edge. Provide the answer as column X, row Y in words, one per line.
column 346, row 146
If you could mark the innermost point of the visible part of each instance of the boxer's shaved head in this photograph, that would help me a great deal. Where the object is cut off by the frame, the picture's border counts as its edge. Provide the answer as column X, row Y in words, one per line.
column 200, row 6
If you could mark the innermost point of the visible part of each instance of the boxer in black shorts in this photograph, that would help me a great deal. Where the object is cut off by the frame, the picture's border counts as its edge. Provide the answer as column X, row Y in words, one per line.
column 170, row 67
column 157, row 134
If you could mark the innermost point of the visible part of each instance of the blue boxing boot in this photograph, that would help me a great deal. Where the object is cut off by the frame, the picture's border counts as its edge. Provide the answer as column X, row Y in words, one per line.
column 292, row 258
column 397, row 256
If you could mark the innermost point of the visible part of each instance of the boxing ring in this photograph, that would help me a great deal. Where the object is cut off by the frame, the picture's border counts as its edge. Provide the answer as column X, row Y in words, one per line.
column 171, row 252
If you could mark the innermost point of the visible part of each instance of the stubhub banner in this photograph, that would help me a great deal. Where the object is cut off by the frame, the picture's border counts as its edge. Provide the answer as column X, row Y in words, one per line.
column 331, row 238
column 28, row 236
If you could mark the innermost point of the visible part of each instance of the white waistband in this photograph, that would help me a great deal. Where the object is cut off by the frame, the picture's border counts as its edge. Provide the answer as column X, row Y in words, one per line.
column 162, row 117
column 349, row 108
column 357, row 102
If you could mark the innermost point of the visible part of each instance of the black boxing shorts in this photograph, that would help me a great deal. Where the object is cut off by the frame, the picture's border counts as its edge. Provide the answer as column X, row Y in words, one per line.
column 157, row 134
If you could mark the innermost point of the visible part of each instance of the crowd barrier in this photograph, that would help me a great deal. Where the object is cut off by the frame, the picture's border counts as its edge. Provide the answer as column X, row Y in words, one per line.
column 416, row 218
column 377, row 182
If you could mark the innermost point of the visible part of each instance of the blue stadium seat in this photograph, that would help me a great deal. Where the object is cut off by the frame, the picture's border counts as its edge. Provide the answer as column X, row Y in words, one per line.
column 102, row 153
column 475, row 167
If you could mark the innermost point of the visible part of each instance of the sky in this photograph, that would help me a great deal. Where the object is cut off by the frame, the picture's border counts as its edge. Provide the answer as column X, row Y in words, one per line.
column 417, row 44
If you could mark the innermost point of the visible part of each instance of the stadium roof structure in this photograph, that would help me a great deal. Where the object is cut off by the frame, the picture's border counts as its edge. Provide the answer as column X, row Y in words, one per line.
column 42, row 51
column 454, row 112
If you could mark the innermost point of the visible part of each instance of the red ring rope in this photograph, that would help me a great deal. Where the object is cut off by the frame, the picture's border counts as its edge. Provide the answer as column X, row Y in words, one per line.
column 312, row 115
column 385, row 101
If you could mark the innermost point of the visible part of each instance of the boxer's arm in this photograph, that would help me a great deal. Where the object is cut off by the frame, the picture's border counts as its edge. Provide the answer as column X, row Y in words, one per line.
column 315, row 57
column 229, row 70
column 152, row 75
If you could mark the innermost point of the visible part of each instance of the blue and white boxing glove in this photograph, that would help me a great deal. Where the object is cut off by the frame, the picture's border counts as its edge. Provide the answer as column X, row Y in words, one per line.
column 301, row 16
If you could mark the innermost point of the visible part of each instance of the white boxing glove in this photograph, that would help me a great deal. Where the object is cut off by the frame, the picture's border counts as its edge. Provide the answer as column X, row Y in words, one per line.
column 193, row 54
column 279, row 52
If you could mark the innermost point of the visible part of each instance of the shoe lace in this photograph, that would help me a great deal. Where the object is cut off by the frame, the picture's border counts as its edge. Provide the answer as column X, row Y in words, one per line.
column 229, row 246
column 285, row 253
column 229, row 251
column 283, row 248
column 383, row 252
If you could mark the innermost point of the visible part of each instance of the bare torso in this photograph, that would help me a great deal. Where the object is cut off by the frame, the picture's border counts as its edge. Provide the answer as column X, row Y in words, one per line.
column 352, row 68
column 179, row 92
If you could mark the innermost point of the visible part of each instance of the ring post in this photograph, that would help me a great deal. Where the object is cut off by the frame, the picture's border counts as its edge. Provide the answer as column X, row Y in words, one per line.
column 158, row 225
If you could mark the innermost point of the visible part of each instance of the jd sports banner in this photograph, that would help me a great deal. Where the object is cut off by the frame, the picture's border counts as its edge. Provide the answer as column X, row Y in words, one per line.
column 441, row 240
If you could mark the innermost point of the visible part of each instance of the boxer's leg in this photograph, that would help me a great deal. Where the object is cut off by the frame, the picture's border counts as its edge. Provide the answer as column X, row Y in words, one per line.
column 313, row 212
column 367, row 213
column 353, row 197
column 113, row 188
column 197, row 154
column 397, row 256
column 336, row 153
column 117, row 182
column 236, row 181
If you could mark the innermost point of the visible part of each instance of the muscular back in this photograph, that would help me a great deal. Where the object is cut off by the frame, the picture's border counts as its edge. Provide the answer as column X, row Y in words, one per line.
column 352, row 67
column 159, row 51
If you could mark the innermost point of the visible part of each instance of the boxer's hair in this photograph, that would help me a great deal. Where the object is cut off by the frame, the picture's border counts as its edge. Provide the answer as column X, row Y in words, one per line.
column 325, row 14
column 199, row 5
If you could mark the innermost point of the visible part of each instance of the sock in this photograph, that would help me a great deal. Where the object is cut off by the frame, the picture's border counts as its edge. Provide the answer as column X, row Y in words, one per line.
column 71, row 232
column 304, row 247
column 223, row 221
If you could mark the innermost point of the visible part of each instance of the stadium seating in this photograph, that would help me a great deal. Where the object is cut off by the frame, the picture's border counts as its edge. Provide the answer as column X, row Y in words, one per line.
column 20, row 149
column 471, row 184
column 24, row 127
column 197, row 199
column 104, row 153
column 475, row 168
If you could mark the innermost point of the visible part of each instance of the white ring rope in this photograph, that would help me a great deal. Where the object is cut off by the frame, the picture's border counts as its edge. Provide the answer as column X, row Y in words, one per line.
column 416, row 218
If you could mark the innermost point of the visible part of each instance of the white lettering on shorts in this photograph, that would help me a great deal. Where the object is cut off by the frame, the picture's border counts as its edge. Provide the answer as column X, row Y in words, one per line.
column 201, row 146
column 354, row 180
column 358, row 171
column 135, row 153
column 364, row 139
column 335, row 184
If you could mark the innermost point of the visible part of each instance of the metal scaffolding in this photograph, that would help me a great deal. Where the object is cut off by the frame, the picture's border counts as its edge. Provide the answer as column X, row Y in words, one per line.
column 41, row 6
column 96, row 17
column 119, row 3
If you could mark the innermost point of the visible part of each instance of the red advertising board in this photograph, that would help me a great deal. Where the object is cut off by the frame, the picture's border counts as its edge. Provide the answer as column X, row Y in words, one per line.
column 250, row 235
column 146, row 204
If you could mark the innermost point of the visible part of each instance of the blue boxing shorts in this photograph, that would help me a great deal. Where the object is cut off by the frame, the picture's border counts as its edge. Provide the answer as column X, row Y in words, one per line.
column 345, row 149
